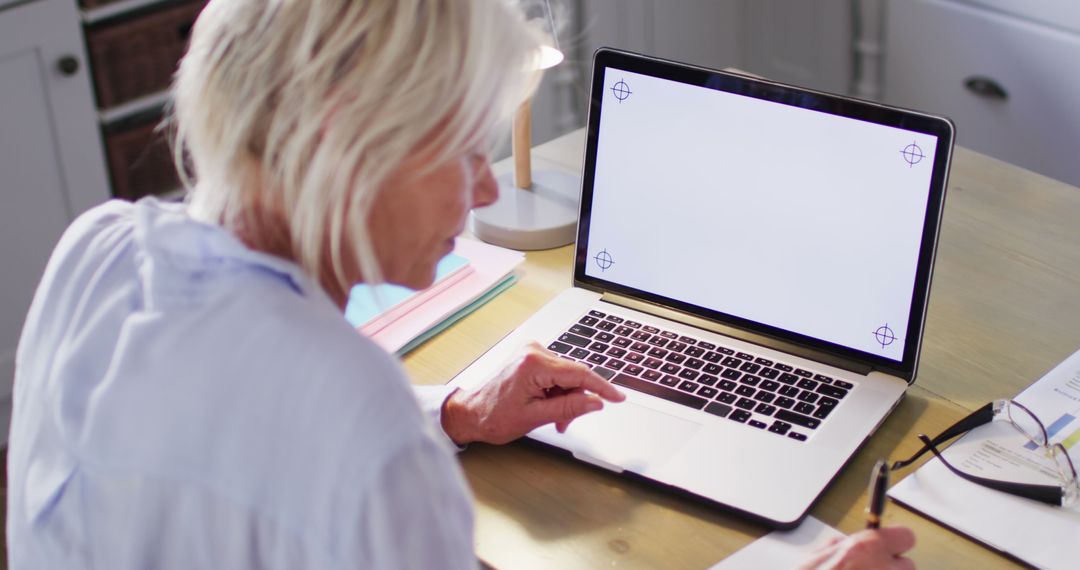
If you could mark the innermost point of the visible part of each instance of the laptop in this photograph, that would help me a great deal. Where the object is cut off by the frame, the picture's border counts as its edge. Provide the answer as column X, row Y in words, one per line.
column 752, row 267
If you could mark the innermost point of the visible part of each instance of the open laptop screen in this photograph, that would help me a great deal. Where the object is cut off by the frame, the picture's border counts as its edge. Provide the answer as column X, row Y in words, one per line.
column 770, row 206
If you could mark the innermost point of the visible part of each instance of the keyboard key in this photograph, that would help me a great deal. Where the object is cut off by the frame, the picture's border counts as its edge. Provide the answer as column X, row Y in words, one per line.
column 823, row 378
column 808, row 397
column 707, row 379
column 614, row 319
column 559, row 347
column 744, row 356
column 694, row 351
column 653, row 363
column 621, row 342
column 605, row 373
column 633, row 324
column 727, row 385
column 770, row 373
column 668, row 394
column 726, row 397
column 797, row 419
column 757, row 424
column 677, row 346
column 589, row 321
column 788, row 378
column 688, row 386
column 782, row 367
column 796, row 436
column 597, row 358
column 740, row 416
column 583, row 330
column 633, row 369
column 651, row 375
column 746, row 403
column 707, row 392
column 668, row 334
column 597, row 314
column 694, row 363
column 639, row 347
column 713, row 369
column 649, row 329
column 615, row 364
column 670, row 368
column 634, row 357
column 780, row 427
column 657, row 341
column 616, row 352
column 806, row 384
column 657, row 352
column 745, row 391
column 765, row 409
column 574, row 339
column 623, row 331
column 676, row 358
column 641, row 335
column 763, row 396
column 687, row 340
column 599, row 347
column 606, row 325
column 825, row 401
column 804, row 373
column 842, row 384
column 718, row 409
column 732, row 362
column 724, row 350
column 670, row 381
column 823, row 412
column 770, row 385
column 750, row 367
column 804, row 408
column 688, row 374
column 712, row 357
column 750, row 380
column 579, row 353
column 706, row 345
column 731, row 374
column 789, row 391
column 785, row 403
column 605, row 337
column 832, row 391
column 763, row 361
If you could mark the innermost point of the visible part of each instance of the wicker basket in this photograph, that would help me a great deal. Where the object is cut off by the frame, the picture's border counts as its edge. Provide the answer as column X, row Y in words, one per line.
column 137, row 56
column 140, row 162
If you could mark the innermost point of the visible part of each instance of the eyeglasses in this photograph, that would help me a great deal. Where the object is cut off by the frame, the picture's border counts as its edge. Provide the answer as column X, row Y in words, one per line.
column 1027, row 424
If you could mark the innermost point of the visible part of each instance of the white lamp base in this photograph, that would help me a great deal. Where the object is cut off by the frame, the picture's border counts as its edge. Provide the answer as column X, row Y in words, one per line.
column 542, row 217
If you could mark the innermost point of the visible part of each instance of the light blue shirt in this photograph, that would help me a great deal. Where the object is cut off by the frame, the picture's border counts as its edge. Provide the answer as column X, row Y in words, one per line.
column 182, row 401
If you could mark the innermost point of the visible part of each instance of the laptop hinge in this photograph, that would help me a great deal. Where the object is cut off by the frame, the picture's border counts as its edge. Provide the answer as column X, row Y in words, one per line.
column 726, row 330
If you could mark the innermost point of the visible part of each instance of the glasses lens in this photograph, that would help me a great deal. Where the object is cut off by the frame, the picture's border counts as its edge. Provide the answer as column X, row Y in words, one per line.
column 1026, row 423
column 1063, row 463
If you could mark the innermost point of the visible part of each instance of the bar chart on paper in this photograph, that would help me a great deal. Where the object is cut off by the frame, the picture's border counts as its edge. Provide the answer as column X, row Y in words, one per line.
column 1067, row 425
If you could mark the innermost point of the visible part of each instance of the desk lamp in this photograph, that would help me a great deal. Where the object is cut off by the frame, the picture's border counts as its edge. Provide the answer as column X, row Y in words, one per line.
column 535, row 209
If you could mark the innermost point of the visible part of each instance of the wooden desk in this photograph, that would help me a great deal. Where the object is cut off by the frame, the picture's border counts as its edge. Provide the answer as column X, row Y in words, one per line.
column 1005, row 308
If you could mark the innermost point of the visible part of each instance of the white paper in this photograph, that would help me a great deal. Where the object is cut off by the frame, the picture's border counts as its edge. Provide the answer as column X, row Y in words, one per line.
column 781, row 549
column 1042, row 535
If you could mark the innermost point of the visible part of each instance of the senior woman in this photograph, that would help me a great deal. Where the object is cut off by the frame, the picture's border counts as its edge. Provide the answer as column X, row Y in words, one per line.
column 188, row 394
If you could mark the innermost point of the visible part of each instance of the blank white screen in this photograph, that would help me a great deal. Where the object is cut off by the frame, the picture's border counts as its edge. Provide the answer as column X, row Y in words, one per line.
column 793, row 218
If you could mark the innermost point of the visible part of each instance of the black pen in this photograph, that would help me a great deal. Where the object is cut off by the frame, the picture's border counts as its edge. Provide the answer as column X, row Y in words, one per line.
column 879, row 483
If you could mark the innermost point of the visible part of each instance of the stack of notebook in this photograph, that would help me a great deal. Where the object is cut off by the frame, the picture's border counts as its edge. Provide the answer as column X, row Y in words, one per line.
column 400, row 319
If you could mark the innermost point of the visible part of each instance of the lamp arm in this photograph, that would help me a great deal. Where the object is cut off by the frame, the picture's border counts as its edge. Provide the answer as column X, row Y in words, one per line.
column 521, row 146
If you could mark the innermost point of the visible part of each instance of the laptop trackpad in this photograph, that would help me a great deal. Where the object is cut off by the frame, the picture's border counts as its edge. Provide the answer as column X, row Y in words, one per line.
column 627, row 436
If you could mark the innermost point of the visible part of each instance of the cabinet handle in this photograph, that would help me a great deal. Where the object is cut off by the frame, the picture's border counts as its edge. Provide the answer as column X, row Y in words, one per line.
column 986, row 88
column 68, row 65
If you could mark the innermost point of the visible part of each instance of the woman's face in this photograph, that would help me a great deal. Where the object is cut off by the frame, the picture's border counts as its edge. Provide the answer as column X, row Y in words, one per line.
column 415, row 219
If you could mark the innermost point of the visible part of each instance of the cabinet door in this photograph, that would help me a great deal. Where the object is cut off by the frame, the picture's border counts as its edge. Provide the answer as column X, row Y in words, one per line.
column 50, row 155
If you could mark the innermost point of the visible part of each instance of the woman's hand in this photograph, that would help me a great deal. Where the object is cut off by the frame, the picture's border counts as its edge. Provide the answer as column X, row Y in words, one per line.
column 536, row 389
column 880, row 548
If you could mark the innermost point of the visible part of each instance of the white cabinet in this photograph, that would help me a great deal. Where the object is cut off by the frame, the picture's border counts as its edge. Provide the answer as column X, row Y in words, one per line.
column 51, row 163
column 1010, row 83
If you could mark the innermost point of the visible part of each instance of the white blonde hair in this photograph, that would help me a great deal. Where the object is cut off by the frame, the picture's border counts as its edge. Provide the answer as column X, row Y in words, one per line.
column 302, row 108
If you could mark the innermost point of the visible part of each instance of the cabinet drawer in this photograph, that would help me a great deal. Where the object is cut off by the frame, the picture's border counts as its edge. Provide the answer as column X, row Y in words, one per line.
column 137, row 56
column 1061, row 13
column 940, row 55
column 140, row 161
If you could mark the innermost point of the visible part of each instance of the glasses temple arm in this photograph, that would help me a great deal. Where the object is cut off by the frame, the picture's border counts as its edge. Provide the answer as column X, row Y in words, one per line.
column 983, row 415
column 1049, row 494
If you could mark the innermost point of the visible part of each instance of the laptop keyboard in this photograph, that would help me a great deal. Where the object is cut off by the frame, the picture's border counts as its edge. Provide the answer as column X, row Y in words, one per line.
column 742, row 387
